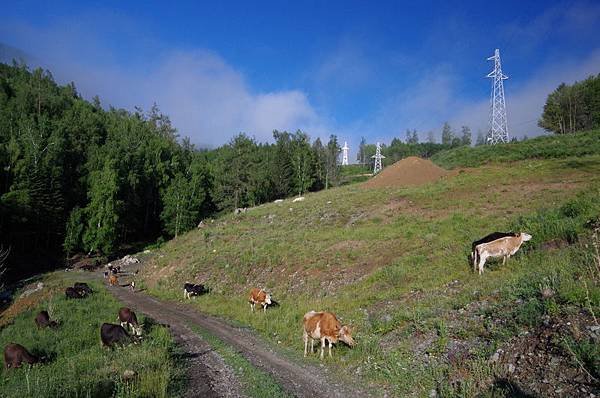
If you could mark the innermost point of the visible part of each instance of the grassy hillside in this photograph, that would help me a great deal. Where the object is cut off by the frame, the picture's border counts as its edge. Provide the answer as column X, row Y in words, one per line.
column 393, row 263
column 545, row 147
column 77, row 364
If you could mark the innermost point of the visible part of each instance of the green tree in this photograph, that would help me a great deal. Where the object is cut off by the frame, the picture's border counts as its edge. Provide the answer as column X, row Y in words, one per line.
column 332, row 162
column 447, row 134
column 466, row 136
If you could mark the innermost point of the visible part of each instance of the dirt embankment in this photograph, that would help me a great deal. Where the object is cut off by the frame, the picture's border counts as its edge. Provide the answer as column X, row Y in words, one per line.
column 410, row 171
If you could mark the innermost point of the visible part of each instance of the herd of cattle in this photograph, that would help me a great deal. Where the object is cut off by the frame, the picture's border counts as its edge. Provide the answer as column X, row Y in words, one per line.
column 321, row 326
column 110, row 334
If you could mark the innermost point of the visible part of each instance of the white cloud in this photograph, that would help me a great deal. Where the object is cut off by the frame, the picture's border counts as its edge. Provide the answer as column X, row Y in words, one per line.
column 206, row 98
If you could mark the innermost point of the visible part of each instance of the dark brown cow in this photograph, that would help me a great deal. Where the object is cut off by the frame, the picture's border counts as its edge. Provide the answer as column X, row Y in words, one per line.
column 42, row 320
column 73, row 293
column 111, row 334
column 128, row 318
column 16, row 354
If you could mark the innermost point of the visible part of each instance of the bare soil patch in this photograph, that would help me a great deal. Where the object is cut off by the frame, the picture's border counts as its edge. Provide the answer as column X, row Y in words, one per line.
column 410, row 171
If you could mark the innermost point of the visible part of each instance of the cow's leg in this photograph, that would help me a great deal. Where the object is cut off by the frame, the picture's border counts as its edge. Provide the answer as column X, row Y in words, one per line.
column 482, row 258
column 330, row 344
column 322, row 347
column 305, row 337
column 265, row 308
column 312, row 345
column 503, row 260
column 251, row 307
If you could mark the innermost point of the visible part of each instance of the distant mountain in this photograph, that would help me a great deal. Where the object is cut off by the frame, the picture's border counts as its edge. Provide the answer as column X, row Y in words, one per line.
column 9, row 53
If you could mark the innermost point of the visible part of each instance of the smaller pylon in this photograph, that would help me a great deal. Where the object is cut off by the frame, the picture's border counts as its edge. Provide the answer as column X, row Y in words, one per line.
column 345, row 154
column 378, row 156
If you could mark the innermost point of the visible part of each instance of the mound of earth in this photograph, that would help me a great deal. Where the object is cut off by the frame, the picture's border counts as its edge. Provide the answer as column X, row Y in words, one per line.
column 410, row 171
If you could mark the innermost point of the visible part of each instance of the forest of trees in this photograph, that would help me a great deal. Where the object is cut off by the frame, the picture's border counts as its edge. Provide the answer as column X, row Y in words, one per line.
column 572, row 108
column 79, row 178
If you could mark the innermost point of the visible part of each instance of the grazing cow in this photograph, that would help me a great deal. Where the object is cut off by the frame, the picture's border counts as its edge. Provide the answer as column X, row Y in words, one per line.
column 503, row 247
column 113, row 280
column 324, row 326
column 82, row 287
column 259, row 296
column 489, row 238
column 127, row 317
column 111, row 334
column 42, row 320
column 190, row 289
column 73, row 293
column 16, row 354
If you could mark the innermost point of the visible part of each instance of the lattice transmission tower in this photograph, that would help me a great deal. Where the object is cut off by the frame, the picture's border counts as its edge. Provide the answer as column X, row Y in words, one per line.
column 378, row 156
column 345, row 154
column 498, row 132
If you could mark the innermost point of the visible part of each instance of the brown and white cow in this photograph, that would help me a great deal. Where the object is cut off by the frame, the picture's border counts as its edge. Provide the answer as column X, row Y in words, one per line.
column 127, row 318
column 113, row 280
column 503, row 247
column 259, row 296
column 324, row 326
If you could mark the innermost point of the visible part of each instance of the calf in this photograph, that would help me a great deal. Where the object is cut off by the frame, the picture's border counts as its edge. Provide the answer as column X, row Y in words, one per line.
column 127, row 317
column 503, row 247
column 324, row 326
column 111, row 334
column 73, row 293
column 190, row 289
column 259, row 296
column 488, row 238
column 42, row 320
column 113, row 280
column 82, row 287
column 16, row 354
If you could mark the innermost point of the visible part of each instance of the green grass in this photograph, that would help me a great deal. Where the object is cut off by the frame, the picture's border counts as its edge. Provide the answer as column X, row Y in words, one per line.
column 78, row 366
column 545, row 147
column 255, row 382
column 392, row 262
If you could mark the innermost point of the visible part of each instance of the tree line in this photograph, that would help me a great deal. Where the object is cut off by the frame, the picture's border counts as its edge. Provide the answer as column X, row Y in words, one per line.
column 76, row 177
column 572, row 108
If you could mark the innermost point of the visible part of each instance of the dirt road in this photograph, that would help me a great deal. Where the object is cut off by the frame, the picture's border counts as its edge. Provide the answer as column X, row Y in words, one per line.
column 300, row 380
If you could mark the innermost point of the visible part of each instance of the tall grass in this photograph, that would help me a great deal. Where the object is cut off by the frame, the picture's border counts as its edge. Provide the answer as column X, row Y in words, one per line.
column 77, row 365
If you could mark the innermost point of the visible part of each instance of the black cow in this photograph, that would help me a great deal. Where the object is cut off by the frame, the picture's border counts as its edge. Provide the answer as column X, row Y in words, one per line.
column 190, row 289
column 111, row 334
column 73, row 293
column 82, row 287
column 42, row 320
column 16, row 354
column 488, row 238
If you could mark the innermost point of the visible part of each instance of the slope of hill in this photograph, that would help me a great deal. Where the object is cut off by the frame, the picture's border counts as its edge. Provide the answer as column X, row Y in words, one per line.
column 393, row 263
column 545, row 147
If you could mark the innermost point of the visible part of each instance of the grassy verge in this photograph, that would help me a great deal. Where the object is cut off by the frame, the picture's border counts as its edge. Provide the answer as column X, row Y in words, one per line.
column 255, row 382
column 546, row 147
column 77, row 364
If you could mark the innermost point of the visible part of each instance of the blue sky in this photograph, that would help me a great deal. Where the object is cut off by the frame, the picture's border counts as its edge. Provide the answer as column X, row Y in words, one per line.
column 352, row 68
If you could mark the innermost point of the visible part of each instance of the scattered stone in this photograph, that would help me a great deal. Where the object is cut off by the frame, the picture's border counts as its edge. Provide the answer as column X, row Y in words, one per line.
column 298, row 199
column 129, row 375
column 39, row 286
column 278, row 201
column 511, row 368
column 433, row 393
column 547, row 293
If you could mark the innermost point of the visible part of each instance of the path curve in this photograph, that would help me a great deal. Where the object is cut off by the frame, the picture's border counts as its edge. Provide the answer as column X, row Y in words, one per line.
column 299, row 380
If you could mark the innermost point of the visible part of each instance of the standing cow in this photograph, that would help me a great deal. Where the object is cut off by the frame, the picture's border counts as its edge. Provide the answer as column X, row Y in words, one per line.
column 324, row 326
column 128, row 319
column 16, row 354
column 503, row 247
column 259, row 296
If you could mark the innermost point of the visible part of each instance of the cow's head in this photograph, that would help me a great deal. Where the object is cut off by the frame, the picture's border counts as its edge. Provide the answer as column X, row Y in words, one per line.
column 268, row 298
column 525, row 237
column 345, row 335
column 137, row 330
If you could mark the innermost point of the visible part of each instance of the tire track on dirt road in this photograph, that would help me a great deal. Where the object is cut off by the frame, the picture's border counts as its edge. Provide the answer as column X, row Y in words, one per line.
column 299, row 380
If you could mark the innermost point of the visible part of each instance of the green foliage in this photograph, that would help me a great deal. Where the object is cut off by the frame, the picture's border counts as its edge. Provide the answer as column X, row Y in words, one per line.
column 74, row 232
column 545, row 147
column 569, row 109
